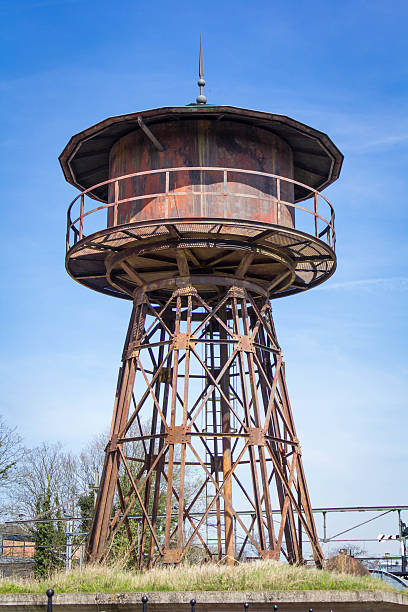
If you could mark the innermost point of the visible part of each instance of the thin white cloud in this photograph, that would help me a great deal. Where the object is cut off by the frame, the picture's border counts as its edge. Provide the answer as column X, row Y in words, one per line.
column 396, row 283
column 388, row 140
column 358, row 132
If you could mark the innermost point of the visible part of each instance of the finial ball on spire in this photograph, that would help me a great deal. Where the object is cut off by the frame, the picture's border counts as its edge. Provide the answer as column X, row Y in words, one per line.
column 201, row 99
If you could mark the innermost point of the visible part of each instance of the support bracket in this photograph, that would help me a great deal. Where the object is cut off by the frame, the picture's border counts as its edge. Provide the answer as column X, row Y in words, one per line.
column 256, row 436
column 171, row 555
column 183, row 341
column 178, row 434
column 245, row 343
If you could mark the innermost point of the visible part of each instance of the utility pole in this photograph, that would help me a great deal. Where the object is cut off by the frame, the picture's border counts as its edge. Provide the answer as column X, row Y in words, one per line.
column 403, row 533
column 68, row 543
column 96, row 485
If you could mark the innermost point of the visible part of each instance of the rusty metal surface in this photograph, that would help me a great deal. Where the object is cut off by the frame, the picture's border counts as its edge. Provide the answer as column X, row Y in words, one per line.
column 277, row 260
column 85, row 159
column 252, row 250
column 202, row 189
column 238, row 416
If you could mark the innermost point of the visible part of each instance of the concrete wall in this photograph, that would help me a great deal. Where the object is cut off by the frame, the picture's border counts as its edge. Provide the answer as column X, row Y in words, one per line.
column 320, row 601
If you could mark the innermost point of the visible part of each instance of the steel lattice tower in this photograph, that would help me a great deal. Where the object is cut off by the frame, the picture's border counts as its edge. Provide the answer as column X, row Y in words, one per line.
column 203, row 215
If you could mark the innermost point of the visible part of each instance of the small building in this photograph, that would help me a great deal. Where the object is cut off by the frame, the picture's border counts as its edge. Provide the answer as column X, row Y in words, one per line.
column 17, row 549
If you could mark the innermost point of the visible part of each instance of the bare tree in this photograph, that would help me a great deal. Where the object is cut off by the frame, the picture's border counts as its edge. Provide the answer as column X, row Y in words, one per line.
column 353, row 550
column 91, row 460
column 43, row 471
column 11, row 451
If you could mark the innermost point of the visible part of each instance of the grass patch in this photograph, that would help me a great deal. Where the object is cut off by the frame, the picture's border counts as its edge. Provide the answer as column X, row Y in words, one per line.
column 256, row 576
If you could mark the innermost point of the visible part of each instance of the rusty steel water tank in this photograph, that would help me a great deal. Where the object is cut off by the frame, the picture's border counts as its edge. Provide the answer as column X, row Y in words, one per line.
column 215, row 180
column 203, row 143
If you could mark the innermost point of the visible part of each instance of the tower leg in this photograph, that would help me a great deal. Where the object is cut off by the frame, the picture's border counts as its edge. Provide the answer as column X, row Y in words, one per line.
column 96, row 545
column 195, row 356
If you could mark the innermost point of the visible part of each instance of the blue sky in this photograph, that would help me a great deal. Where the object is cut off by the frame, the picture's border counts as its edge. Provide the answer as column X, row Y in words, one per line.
column 338, row 66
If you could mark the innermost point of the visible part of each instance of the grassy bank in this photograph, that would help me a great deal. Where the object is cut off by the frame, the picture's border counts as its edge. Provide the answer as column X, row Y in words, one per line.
column 259, row 576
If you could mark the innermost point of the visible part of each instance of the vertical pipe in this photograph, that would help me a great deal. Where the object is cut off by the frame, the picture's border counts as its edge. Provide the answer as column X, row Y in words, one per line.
column 115, row 209
column 212, row 365
column 226, row 444
column 68, row 231
column 173, row 409
column 81, row 217
column 184, row 422
column 316, row 220
column 167, row 176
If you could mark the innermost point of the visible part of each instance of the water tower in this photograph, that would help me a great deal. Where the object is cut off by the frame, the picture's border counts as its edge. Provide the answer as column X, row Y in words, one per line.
column 200, row 216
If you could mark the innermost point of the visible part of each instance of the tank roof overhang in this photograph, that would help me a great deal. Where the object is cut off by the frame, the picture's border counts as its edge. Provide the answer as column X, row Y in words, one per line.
column 85, row 159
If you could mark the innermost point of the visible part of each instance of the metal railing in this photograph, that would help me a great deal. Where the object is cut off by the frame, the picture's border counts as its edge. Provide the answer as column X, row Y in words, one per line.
column 312, row 221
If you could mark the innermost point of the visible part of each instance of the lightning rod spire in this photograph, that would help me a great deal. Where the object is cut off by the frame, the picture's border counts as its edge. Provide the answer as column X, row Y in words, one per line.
column 201, row 99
